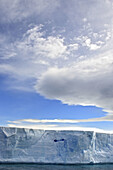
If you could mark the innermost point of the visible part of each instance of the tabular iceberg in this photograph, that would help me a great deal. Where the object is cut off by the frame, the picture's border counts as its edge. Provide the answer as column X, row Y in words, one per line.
column 50, row 146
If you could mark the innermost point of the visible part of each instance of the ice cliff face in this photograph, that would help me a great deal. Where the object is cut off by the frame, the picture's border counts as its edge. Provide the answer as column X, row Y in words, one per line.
column 29, row 145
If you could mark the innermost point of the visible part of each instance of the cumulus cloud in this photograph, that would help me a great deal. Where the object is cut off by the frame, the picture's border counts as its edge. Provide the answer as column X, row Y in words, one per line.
column 90, row 45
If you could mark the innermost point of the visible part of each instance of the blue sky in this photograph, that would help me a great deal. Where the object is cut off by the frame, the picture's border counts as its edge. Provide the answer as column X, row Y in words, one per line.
column 56, row 64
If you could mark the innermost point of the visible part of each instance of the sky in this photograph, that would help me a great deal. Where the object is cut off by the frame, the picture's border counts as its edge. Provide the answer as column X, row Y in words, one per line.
column 56, row 64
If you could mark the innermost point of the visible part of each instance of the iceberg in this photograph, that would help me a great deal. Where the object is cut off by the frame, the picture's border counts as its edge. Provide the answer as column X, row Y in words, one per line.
column 22, row 145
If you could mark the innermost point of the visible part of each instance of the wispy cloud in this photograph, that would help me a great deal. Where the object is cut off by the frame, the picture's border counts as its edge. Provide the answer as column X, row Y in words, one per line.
column 61, row 124
column 17, row 10
column 63, row 121
column 55, row 124
column 45, row 121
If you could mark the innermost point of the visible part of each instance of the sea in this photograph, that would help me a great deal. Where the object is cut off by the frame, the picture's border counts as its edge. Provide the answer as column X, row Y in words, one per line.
column 55, row 167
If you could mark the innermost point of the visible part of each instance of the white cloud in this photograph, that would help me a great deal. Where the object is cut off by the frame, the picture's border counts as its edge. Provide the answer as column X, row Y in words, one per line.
column 16, row 10
column 108, row 118
column 56, row 127
column 45, row 127
column 84, row 19
column 53, row 62
column 44, row 121
column 57, row 72
column 88, row 42
column 35, row 51
column 39, row 46
column 87, row 82
column 92, row 46
column 73, row 47
column 60, row 124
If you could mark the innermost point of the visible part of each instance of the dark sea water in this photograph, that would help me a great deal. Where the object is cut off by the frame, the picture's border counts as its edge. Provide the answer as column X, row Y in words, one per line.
column 55, row 167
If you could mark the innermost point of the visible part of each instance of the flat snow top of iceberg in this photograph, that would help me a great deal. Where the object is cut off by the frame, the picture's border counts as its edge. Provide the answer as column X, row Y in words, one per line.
column 76, row 129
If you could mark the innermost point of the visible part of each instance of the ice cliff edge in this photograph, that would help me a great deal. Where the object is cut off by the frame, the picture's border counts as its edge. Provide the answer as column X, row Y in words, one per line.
column 50, row 146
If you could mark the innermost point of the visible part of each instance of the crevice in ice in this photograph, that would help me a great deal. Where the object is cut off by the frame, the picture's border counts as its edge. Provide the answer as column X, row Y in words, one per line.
column 6, row 133
column 94, row 141
column 93, row 148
